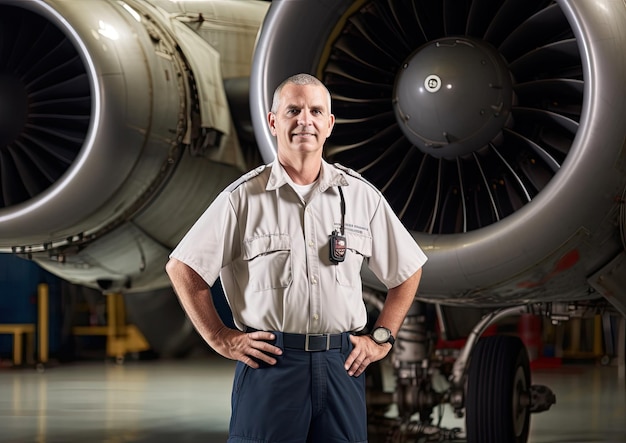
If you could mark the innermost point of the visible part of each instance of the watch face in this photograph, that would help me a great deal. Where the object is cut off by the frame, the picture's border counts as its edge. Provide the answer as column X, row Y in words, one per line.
column 381, row 335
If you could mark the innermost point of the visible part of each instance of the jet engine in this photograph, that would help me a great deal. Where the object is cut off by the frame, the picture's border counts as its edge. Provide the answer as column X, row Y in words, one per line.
column 495, row 129
column 116, row 129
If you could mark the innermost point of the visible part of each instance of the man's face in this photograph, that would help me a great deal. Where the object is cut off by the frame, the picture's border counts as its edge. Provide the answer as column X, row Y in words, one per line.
column 302, row 121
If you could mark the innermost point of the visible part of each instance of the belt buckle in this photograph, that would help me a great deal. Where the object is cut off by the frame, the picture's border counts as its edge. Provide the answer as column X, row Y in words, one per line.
column 307, row 341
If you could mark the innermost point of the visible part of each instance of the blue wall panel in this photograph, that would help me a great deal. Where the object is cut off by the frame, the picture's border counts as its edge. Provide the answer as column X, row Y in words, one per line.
column 19, row 279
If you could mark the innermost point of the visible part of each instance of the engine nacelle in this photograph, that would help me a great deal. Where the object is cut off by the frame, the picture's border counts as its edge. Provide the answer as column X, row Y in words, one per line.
column 495, row 130
column 116, row 132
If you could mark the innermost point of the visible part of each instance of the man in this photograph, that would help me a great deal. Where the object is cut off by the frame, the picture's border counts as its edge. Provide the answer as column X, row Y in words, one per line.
column 288, row 240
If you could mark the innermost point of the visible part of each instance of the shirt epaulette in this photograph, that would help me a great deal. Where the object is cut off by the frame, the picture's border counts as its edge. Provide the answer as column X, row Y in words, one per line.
column 351, row 172
column 347, row 170
column 244, row 178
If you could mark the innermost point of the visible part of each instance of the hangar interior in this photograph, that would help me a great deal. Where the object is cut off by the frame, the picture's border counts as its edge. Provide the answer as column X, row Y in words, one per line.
column 494, row 128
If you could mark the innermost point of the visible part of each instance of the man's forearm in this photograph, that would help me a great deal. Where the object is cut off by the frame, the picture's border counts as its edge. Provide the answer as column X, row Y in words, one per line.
column 398, row 302
column 195, row 298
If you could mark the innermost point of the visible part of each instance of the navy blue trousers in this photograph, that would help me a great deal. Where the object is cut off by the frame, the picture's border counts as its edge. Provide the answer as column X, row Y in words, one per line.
column 307, row 397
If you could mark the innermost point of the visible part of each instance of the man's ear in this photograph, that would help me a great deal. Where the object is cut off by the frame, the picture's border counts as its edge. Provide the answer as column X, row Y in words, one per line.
column 271, row 122
column 331, row 125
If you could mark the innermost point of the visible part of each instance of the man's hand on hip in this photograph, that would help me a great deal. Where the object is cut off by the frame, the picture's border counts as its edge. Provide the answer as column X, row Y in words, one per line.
column 246, row 347
column 365, row 351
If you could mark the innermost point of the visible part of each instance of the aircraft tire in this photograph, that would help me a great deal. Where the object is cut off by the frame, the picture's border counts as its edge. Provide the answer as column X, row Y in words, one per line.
column 497, row 402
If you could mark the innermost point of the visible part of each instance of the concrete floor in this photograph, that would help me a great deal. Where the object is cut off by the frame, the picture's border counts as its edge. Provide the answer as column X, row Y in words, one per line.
column 188, row 401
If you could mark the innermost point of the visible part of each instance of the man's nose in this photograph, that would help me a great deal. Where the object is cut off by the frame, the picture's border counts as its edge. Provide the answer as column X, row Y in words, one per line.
column 305, row 118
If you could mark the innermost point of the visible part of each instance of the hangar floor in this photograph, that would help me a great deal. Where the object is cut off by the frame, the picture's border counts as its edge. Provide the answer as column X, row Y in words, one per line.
column 188, row 401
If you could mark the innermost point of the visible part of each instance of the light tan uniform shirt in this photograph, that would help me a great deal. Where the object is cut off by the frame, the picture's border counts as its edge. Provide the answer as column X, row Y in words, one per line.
column 271, row 250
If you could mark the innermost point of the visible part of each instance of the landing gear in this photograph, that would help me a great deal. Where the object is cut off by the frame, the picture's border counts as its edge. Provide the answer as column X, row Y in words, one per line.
column 498, row 392
column 487, row 382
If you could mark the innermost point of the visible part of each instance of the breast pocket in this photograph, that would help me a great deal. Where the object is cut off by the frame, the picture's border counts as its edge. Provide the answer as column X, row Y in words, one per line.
column 358, row 247
column 268, row 258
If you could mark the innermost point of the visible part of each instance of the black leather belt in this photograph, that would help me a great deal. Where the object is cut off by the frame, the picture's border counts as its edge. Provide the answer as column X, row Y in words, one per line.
column 309, row 342
column 312, row 342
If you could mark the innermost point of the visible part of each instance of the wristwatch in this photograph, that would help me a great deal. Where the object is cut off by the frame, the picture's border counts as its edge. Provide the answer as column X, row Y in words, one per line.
column 382, row 335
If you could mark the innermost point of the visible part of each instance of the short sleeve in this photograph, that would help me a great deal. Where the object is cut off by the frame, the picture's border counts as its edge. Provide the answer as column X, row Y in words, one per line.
column 396, row 256
column 211, row 242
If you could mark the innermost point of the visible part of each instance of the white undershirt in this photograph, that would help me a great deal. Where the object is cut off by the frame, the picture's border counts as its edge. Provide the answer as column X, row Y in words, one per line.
column 304, row 191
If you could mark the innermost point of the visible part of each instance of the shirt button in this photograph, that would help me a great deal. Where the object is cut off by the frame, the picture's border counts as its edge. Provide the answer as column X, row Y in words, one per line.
column 316, row 317
column 311, row 243
column 314, row 280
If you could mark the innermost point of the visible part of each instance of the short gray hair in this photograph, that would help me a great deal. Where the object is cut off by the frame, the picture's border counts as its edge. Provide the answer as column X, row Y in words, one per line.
column 298, row 79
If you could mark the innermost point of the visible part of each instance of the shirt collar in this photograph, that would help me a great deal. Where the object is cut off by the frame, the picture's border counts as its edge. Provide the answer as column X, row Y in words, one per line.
column 329, row 176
